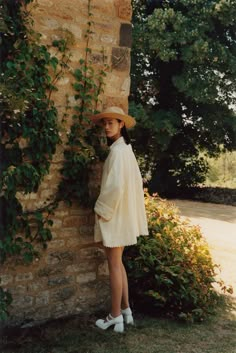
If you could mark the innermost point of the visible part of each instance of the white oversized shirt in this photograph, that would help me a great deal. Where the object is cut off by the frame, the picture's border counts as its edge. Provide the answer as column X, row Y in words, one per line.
column 121, row 201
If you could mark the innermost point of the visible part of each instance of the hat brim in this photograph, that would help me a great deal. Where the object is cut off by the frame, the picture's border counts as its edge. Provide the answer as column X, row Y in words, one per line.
column 128, row 120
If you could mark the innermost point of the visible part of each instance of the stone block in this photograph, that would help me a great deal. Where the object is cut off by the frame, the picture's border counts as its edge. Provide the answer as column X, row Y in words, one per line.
column 103, row 269
column 63, row 294
column 60, row 257
column 108, row 39
column 24, row 277
column 90, row 253
column 74, row 29
column 72, row 268
column 57, row 223
column 56, row 244
column 45, row 3
column 86, row 230
column 113, row 85
column 83, row 278
column 120, row 59
column 116, row 101
column 86, row 295
column 49, row 271
column 125, row 88
column 75, row 221
column 5, row 279
column 124, row 9
column 58, row 281
column 97, row 59
column 61, row 213
column 42, row 298
column 22, row 301
column 83, row 266
column 73, row 243
column 91, row 220
column 68, row 232
column 125, row 35
column 80, row 211
column 49, row 23
column 104, row 27
column 36, row 286
column 20, row 289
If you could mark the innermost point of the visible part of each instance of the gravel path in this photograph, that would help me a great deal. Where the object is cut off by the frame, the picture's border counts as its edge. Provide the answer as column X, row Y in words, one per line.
column 218, row 224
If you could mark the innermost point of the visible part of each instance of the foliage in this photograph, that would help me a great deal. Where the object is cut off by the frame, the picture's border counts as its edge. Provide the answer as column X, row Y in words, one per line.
column 222, row 170
column 83, row 145
column 183, row 74
column 29, row 132
column 171, row 270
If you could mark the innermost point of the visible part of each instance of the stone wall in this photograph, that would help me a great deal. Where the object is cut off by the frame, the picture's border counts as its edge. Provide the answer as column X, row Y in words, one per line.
column 71, row 275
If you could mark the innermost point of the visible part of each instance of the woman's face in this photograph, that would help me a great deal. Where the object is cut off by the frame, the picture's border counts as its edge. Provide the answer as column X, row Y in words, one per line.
column 112, row 128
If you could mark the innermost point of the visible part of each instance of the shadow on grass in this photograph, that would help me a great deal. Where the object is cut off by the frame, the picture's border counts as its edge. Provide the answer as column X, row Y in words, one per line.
column 149, row 335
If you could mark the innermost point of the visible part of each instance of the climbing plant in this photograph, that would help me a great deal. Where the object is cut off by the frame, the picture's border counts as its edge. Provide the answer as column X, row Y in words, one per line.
column 29, row 130
column 83, row 145
column 29, row 133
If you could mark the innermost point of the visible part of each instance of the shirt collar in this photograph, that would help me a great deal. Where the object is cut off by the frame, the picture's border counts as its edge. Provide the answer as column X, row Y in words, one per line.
column 119, row 141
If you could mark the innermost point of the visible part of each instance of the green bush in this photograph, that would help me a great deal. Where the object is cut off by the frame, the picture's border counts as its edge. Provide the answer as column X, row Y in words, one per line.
column 171, row 271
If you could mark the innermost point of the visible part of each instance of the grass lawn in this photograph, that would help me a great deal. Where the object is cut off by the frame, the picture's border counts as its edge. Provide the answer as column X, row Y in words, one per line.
column 149, row 335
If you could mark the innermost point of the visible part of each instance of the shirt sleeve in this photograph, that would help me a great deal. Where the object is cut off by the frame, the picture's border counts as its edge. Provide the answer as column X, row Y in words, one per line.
column 112, row 187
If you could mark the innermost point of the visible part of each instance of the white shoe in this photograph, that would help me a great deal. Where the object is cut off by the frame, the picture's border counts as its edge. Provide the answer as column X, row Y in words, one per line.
column 128, row 317
column 118, row 323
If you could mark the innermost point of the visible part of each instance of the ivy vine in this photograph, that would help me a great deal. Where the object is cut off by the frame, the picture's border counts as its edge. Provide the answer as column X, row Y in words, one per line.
column 29, row 134
column 29, row 131
column 84, row 144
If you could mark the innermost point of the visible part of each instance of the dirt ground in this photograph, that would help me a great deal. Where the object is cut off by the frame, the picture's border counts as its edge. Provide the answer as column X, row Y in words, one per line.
column 218, row 225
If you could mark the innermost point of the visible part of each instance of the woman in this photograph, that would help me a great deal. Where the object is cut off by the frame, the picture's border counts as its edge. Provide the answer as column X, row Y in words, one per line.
column 119, row 210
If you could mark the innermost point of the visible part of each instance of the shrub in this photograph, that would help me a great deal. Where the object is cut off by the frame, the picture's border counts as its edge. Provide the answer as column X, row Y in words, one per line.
column 171, row 271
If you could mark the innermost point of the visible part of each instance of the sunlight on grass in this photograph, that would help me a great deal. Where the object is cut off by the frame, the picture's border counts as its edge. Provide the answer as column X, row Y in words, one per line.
column 149, row 335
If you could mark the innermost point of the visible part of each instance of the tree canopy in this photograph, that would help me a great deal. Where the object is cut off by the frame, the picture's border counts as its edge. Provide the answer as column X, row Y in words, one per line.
column 183, row 85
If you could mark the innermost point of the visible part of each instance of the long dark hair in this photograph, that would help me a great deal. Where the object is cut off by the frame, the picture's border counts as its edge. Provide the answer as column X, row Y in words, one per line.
column 124, row 133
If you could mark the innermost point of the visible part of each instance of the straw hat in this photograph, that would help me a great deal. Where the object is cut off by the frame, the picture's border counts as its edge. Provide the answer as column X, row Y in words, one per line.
column 114, row 113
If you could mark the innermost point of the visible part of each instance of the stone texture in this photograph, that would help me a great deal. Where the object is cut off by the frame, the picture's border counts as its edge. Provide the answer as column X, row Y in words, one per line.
column 103, row 269
column 56, row 244
column 73, row 243
column 74, row 221
column 86, row 277
column 120, row 59
column 24, row 277
column 125, row 87
column 117, row 101
column 23, row 301
column 71, row 275
column 62, row 280
column 86, row 230
column 49, row 271
column 43, row 298
column 61, row 258
column 63, row 293
column 125, row 35
column 124, row 9
column 5, row 279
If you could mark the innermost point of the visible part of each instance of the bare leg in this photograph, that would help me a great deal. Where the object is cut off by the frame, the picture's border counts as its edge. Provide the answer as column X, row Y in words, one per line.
column 114, row 257
column 125, row 290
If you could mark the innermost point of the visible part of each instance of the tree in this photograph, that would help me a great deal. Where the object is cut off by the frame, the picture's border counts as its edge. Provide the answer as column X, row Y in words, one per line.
column 183, row 77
